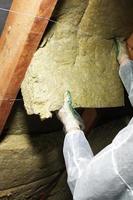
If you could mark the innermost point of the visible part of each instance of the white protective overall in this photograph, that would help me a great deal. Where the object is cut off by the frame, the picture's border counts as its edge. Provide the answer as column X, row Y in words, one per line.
column 109, row 174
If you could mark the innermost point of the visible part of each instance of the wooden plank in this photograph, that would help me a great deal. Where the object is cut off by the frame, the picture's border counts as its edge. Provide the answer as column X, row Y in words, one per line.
column 23, row 31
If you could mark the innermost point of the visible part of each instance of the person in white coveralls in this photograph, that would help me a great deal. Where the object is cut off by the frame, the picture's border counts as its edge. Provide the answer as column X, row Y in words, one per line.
column 109, row 174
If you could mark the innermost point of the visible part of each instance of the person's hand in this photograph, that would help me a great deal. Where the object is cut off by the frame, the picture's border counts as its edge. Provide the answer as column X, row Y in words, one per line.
column 68, row 116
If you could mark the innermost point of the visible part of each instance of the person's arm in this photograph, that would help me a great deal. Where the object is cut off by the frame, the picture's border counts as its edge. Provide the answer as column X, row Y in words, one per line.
column 77, row 154
column 77, row 151
column 104, row 176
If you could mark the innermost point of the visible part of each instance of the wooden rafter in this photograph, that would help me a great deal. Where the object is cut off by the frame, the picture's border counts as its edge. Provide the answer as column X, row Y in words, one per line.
column 26, row 23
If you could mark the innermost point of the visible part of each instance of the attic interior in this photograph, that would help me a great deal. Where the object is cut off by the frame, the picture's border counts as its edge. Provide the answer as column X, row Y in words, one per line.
column 46, row 48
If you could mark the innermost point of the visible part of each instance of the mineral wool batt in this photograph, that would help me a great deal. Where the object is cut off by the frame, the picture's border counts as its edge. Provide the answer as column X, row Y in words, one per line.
column 78, row 54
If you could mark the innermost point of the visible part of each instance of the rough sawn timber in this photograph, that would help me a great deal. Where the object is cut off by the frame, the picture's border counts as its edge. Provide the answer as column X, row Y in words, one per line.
column 23, row 31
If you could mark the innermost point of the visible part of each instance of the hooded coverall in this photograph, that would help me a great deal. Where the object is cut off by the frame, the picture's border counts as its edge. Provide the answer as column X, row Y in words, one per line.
column 109, row 174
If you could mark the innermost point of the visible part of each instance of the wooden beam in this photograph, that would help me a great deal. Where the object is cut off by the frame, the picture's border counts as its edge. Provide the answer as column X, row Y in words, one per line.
column 26, row 23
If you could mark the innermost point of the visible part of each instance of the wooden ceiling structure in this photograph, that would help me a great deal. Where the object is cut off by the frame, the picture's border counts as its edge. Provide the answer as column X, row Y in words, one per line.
column 24, row 28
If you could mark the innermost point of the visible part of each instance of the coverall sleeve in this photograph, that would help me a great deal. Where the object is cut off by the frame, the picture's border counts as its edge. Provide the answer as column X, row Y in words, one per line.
column 78, row 154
